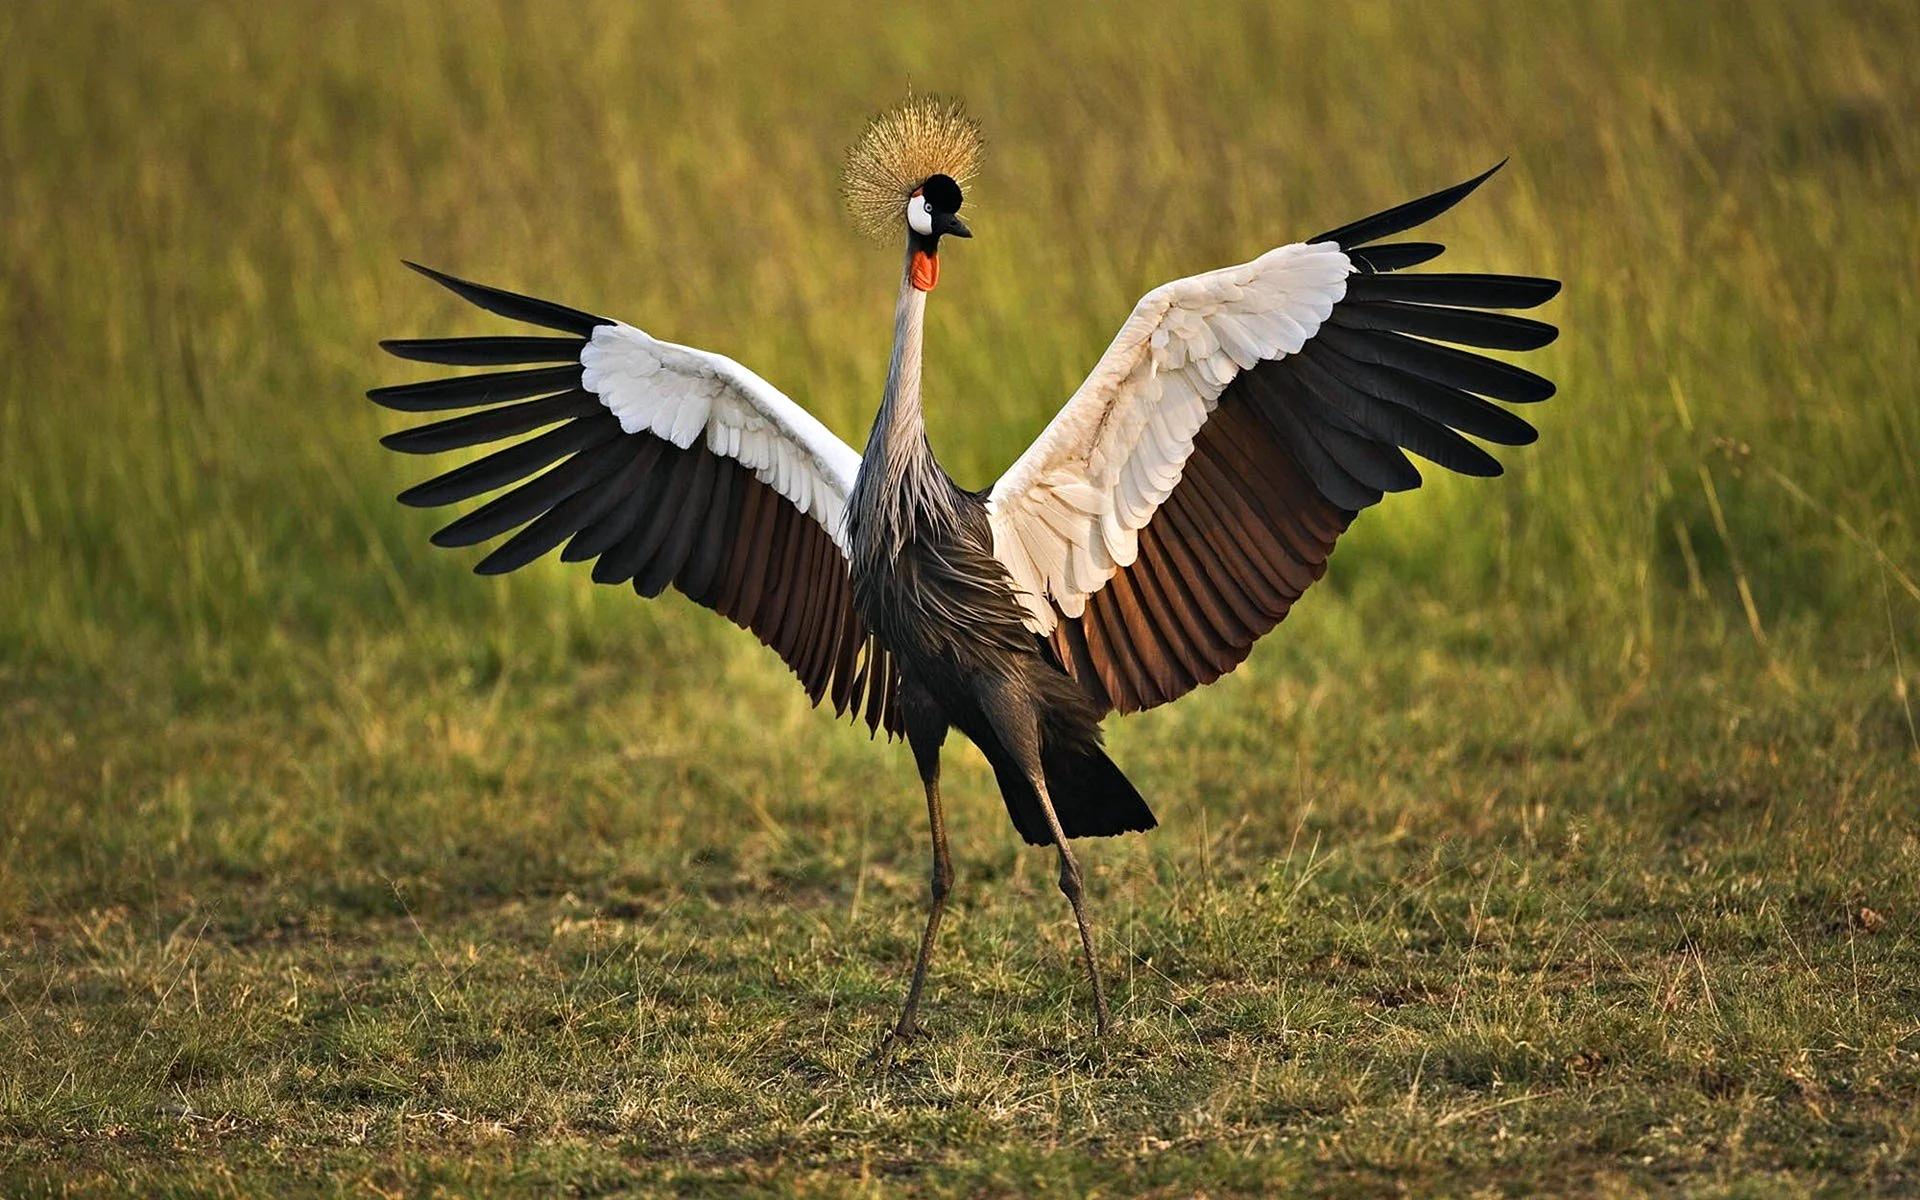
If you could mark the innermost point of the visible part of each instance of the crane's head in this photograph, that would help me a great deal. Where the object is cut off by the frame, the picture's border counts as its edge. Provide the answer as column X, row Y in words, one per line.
column 904, row 176
column 933, row 211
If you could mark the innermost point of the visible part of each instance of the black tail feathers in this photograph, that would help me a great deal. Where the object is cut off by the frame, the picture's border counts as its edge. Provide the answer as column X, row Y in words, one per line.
column 1090, row 795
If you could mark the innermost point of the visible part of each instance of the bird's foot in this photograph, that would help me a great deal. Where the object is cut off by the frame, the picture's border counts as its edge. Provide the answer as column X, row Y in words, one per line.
column 906, row 1030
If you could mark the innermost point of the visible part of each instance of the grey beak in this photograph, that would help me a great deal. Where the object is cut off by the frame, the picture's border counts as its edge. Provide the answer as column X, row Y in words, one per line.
column 950, row 223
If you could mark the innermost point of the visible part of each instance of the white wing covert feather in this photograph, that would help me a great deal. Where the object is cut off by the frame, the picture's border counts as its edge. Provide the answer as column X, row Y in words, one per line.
column 1067, row 514
column 682, row 394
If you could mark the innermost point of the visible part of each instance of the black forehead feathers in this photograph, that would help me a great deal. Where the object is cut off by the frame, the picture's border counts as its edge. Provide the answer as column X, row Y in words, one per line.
column 942, row 193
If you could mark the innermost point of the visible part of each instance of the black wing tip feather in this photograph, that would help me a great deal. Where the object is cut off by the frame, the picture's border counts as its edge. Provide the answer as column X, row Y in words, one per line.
column 1395, row 256
column 485, row 351
column 1461, row 290
column 474, row 391
column 452, row 283
column 514, row 305
column 1402, row 217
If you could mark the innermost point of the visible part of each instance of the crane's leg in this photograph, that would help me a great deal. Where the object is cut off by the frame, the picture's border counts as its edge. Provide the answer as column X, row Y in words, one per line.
column 1013, row 712
column 1070, row 887
column 926, row 731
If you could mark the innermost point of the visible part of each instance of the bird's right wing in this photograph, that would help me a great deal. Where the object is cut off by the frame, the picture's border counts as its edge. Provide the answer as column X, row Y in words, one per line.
column 675, row 466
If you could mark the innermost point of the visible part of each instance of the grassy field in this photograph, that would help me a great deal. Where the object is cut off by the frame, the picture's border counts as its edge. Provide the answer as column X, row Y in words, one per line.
column 1566, row 839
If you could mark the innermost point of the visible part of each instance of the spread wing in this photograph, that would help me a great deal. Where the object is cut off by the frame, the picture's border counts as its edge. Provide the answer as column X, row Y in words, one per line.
column 668, row 465
column 1191, row 490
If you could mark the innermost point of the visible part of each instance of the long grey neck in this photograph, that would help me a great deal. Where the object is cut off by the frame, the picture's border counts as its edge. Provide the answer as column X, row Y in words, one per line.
column 902, row 492
column 900, row 431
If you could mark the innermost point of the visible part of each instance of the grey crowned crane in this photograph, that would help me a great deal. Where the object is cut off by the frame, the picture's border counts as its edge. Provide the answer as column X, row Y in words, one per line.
column 1170, row 515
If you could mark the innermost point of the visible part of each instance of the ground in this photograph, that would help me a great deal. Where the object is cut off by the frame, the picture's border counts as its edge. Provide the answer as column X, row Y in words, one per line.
column 1563, row 841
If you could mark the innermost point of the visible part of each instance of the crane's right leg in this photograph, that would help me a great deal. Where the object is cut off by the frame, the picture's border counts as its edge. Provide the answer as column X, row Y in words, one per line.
column 926, row 731
column 1016, row 721
column 1071, row 889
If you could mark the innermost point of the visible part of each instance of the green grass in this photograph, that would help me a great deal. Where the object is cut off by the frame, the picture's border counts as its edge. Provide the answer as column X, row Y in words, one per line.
column 1563, row 841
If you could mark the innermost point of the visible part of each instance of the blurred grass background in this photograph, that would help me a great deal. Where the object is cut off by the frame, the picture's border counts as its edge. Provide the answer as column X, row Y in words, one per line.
column 241, row 693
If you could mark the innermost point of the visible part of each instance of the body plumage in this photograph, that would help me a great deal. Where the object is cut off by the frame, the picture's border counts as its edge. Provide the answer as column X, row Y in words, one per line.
column 927, row 583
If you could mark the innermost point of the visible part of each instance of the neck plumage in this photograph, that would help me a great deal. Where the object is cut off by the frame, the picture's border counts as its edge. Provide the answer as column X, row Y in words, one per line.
column 901, row 491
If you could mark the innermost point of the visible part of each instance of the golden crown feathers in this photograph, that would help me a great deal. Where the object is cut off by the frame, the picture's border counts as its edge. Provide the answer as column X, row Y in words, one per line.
column 901, row 147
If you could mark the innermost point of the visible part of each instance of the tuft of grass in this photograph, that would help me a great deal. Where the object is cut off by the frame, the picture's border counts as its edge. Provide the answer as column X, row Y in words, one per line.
column 1561, row 842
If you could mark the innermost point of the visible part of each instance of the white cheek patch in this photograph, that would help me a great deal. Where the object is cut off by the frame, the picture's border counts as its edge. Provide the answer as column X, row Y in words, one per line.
column 920, row 216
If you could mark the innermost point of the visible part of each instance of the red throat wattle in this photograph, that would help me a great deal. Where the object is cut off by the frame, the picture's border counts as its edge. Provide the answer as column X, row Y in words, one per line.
column 926, row 270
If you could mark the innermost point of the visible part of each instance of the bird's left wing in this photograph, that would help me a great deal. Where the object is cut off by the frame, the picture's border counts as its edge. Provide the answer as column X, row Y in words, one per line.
column 1191, row 490
column 674, row 466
